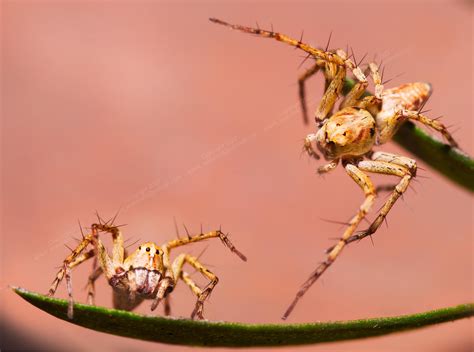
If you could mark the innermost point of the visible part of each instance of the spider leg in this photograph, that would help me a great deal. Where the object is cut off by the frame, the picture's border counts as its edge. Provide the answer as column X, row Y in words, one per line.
column 301, row 86
column 165, row 286
column 66, row 270
column 70, row 259
column 167, row 304
column 367, row 186
column 200, row 237
column 410, row 164
column 434, row 124
column 354, row 94
column 377, row 79
column 318, row 53
column 387, row 168
column 118, row 251
column 339, row 57
column 328, row 167
column 202, row 294
column 106, row 263
column 308, row 146
column 96, row 272
column 330, row 96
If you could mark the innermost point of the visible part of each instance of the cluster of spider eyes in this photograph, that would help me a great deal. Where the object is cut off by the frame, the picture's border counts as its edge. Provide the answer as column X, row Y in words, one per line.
column 148, row 249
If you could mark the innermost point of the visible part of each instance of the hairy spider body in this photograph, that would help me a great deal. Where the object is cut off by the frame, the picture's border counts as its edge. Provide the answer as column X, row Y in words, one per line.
column 349, row 134
column 147, row 273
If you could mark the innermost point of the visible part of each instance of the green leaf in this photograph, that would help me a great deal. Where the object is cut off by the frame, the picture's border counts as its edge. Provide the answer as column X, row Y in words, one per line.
column 224, row 334
column 451, row 162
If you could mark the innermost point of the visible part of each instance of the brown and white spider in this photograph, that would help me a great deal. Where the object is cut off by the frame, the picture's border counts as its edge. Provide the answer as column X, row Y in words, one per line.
column 146, row 274
column 349, row 134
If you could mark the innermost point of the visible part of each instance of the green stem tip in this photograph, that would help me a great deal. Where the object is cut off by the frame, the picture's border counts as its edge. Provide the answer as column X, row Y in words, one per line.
column 225, row 334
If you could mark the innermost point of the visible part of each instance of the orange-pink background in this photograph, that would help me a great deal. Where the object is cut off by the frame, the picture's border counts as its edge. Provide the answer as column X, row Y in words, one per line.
column 148, row 107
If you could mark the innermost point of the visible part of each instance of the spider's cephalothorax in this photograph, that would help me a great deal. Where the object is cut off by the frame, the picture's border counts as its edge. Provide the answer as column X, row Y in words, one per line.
column 146, row 274
column 349, row 134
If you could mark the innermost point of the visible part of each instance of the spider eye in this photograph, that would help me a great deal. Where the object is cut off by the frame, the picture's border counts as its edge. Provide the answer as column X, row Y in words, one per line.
column 158, row 251
column 147, row 249
column 139, row 248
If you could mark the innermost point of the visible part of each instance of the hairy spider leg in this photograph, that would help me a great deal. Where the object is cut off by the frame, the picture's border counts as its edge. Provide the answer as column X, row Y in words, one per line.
column 197, row 238
column 434, row 124
column 369, row 190
column 94, row 275
column 334, row 58
column 67, row 262
column 201, row 294
column 301, row 87
column 400, row 167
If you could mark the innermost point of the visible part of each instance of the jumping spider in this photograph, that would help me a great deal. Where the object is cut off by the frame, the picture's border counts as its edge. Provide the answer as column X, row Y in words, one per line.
column 145, row 274
column 349, row 134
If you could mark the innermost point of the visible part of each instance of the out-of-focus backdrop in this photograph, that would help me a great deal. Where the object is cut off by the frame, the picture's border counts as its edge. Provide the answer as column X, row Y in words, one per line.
column 149, row 108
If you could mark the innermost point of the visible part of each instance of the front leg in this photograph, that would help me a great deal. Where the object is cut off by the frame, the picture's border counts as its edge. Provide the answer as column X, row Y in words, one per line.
column 118, row 250
column 332, row 93
column 200, row 237
column 66, row 273
column 70, row 261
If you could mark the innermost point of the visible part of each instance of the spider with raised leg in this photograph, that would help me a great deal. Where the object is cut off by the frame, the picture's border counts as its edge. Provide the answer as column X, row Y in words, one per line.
column 349, row 134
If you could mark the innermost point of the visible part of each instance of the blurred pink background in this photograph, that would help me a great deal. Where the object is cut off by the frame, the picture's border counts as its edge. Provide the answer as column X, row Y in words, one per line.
column 148, row 107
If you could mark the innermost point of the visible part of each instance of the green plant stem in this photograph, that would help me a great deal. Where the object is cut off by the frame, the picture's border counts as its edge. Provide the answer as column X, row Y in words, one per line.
column 224, row 334
column 451, row 162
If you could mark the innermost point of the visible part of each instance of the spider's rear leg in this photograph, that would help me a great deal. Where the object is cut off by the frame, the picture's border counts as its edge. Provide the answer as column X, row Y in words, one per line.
column 434, row 124
column 367, row 186
column 202, row 294
column 94, row 275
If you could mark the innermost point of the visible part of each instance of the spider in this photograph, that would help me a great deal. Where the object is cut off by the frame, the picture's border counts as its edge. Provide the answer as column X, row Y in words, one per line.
column 349, row 135
column 145, row 274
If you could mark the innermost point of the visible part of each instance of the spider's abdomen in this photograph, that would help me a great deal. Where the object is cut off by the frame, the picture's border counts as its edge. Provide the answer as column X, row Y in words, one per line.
column 410, row 96
column 350, row 131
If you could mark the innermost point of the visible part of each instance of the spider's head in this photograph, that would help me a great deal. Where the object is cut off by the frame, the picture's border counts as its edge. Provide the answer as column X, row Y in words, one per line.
column 350, row 131
column 149, row 256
